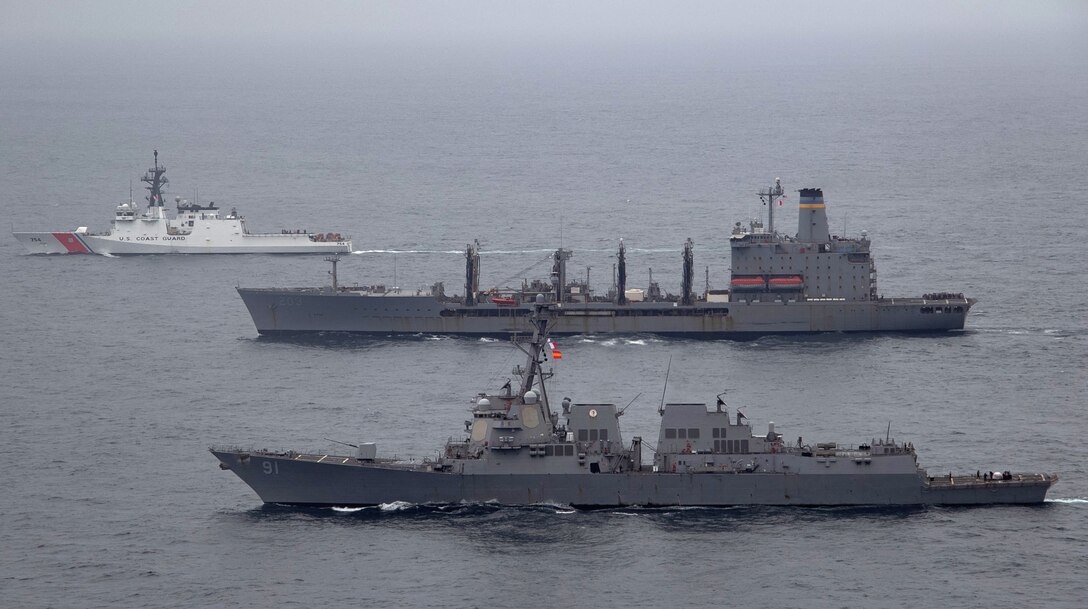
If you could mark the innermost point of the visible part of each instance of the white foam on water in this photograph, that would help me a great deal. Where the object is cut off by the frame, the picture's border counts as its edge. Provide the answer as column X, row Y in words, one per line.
column 407, row 252
column 396, row 506
column 460, row 252
column 1071, row 500
column 560, row 508
column 347, row 510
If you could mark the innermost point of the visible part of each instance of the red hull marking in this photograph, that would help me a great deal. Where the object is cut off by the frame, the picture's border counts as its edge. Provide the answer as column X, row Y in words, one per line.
column 72, row 243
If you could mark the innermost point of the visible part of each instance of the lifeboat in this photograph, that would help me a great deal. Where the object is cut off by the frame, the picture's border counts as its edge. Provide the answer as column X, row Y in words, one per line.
column 793, row 282
column 747, row 284
column 503, row 301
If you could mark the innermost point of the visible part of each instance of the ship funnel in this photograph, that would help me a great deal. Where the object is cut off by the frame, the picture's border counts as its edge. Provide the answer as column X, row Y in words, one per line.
column 812, row 218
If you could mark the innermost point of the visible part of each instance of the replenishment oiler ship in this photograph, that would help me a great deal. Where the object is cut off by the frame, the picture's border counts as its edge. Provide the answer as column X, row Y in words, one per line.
column 517, row 451
column 196, row 229
column 811, row 282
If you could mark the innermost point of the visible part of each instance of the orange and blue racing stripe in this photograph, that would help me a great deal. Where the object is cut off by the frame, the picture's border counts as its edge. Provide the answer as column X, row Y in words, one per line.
column 74, row 243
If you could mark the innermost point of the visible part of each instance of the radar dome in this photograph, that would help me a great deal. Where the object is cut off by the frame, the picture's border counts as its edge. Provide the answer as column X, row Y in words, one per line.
column 530, row 397
column 483, row 403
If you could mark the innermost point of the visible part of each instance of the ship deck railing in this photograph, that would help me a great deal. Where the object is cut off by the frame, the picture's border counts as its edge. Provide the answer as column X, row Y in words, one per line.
column 922, row 301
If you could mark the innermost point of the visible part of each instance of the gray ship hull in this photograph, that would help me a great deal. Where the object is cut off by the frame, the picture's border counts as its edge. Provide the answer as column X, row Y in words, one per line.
column 294, row 479
column 284, row 311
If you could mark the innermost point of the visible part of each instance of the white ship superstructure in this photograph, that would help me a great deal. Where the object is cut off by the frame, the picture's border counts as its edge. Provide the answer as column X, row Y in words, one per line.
column 195, row 229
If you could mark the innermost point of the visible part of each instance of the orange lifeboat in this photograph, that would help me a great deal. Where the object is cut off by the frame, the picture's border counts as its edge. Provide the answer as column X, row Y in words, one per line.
column 747, row 284
column 503, row 301
column 792, row 282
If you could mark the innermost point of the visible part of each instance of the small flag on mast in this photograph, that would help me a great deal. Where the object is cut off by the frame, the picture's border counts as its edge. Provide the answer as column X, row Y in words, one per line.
column 556, row 353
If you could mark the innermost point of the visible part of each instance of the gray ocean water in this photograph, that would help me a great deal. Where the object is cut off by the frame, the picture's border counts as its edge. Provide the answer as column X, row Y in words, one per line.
column 966, row 170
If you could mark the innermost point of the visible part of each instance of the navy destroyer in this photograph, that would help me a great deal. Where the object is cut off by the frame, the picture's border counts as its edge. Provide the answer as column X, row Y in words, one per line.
column 195, row 229
column 811, row 282
column 517, row 451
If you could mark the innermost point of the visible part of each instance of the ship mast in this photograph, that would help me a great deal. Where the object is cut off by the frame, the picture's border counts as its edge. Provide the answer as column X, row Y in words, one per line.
column 333, row 260
column 689, row 269
column 621, row 284
column 559, row 273
column 770, row 196
column 472, row 272
column 155, row 180
column 534, row 353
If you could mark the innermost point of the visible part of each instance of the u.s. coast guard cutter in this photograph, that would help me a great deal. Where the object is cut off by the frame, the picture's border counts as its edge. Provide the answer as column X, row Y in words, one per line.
column 196, row 229
column 811, row 282
column 517, row 451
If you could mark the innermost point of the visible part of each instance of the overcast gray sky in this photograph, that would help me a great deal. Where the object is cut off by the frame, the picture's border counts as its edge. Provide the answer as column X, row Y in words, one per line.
column 473, row 21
